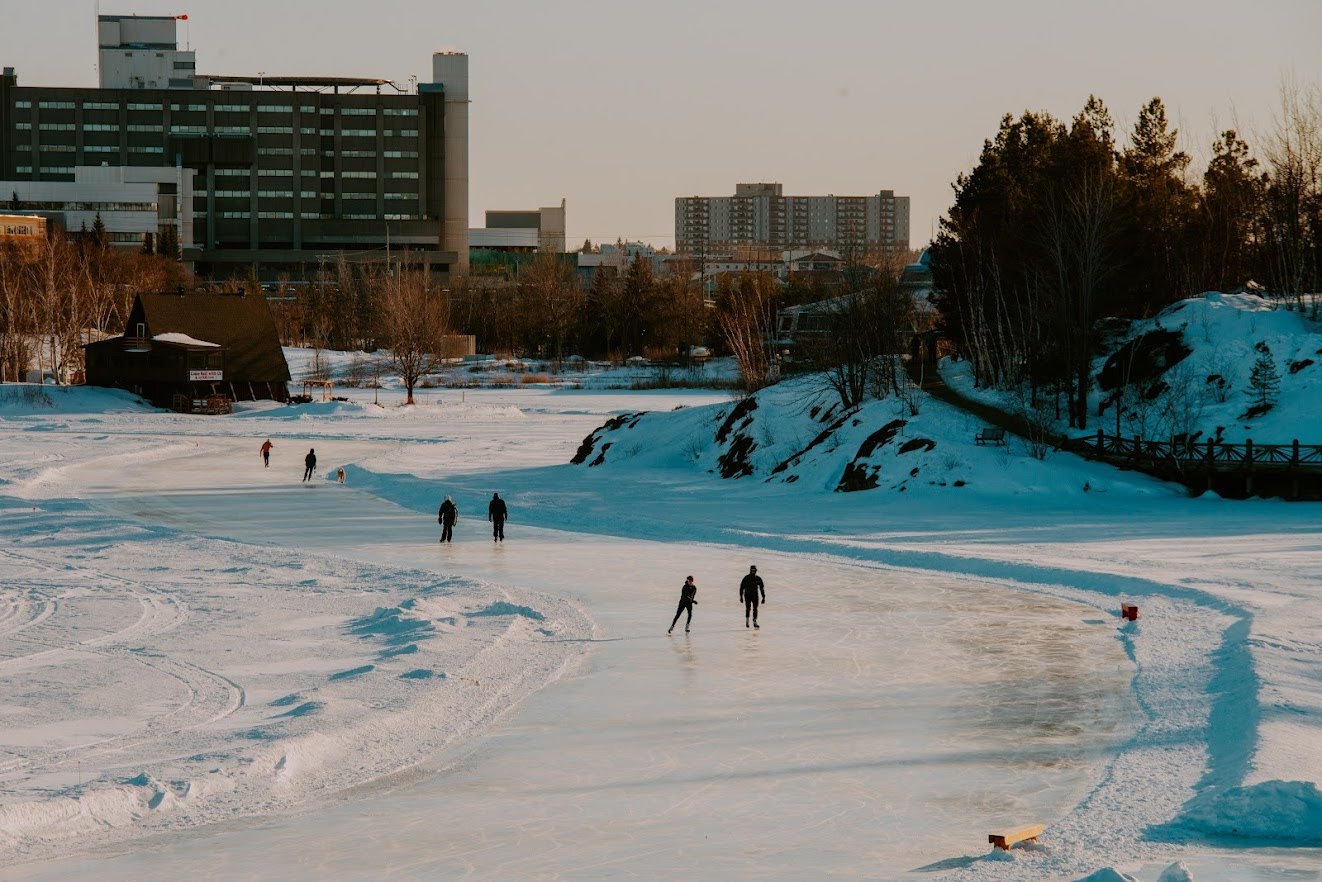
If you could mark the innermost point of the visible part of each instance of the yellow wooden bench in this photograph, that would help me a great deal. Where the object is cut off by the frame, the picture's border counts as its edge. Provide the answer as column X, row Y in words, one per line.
column 1007, row 838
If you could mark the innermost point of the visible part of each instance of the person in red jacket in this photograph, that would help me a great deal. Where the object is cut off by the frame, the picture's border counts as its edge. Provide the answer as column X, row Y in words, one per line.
column 266, row 453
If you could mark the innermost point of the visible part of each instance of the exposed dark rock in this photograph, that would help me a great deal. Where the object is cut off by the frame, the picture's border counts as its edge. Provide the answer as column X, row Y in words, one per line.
column 1144, row 359
column 743, row 409
column 1297, row 366
column 917, row 444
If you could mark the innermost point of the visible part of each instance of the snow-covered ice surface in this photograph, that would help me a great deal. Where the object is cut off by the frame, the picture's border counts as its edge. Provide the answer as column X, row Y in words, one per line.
column 931, row 667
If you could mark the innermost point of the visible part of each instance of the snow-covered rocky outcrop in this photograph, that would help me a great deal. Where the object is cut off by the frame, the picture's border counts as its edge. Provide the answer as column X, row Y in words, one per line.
column 797, row 432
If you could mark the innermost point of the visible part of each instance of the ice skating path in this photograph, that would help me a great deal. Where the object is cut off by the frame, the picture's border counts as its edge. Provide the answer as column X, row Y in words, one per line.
column 881, row 721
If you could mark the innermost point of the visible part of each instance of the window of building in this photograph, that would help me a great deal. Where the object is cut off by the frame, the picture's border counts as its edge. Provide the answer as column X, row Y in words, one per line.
column 232, row 130
column 22, row 105
column 140, row 128
column 275, row 151
column 275, row 108
column 401, row 111
column 275, row 215
column 101, row 148
column 359, row 111
column 276, row 172
column 188, row 130
column 234, row 215
column 307, row 151
column 57, row 148
column 358, row 174
column 231, row 108
column 55, row 105
column 56, row 127
column 57, row 170
column 23, row 169
column 403, row 175
column 358, row 133
column 310, row 215
column 100, row 127
column 275, row 130
column 23, row 126
column 185, row 65
column 149, row 149
column 147, row 106
column 23, row 146
column 401, row 154
column 231, row 172
column 275, row 194
column 306, row 108
column 401, row 217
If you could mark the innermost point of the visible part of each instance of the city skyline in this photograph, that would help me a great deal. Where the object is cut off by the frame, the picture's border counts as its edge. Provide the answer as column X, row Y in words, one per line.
column 620, row 111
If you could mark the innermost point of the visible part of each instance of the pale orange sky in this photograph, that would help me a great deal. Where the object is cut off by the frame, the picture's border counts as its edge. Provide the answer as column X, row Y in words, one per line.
column 620, row 107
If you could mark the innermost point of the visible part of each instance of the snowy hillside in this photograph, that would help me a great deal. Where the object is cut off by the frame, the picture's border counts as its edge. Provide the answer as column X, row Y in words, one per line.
column 797, row 433
column 1189, row 371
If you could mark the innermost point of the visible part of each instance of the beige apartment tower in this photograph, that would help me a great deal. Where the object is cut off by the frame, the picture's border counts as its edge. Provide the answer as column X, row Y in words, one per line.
column 762, row 215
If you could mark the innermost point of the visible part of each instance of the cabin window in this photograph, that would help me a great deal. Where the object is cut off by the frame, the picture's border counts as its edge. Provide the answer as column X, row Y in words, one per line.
column 142, row 330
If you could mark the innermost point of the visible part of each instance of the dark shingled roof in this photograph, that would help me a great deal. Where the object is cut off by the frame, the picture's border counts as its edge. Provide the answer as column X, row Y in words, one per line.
column 242, row 324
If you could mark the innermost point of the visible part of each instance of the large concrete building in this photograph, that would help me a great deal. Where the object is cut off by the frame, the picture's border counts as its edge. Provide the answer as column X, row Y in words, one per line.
column 287, row 172
column 761, row 215
column 541, row 229
column 136, row 204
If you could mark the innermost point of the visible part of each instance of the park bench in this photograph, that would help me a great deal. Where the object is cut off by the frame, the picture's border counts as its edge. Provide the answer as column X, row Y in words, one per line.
column 990, row 435
column 1006, row 839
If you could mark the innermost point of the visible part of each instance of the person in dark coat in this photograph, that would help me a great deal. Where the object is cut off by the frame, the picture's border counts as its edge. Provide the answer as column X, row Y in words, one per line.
column 497, row 512
column 749, row 589
column 446, row 517
column 310, row 461
column 688, row 597
column 266, row 453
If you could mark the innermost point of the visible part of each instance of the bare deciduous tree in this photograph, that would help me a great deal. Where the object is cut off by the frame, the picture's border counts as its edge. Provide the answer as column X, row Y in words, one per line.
column 414, row 325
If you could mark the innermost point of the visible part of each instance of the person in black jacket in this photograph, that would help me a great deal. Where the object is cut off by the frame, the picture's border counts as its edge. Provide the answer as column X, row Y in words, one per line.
column 310, row 461
column 688, row 596
column 446, row 517
column 497, row 513
column 749, row 588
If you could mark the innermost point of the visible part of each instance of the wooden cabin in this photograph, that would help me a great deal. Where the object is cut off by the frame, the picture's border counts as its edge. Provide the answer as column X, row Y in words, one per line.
column 194, row 347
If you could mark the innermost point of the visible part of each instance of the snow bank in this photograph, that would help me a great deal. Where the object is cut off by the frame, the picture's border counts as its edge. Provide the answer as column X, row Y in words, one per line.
column 1107, row 874
column 797, row 433
column 1280, row 812
column 1187, row 371
column 30, row 399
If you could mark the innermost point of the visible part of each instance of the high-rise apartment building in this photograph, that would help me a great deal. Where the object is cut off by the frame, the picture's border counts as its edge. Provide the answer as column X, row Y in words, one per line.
column 761, row 215
column 287, row 172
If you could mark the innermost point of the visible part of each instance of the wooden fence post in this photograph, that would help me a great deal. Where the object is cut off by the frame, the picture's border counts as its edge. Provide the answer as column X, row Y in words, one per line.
column 1211, row 459
column 1248, row 466
column 1294, row 469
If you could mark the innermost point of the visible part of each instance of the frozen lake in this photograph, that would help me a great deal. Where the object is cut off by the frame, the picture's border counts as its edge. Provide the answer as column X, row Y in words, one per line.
column 881, row 718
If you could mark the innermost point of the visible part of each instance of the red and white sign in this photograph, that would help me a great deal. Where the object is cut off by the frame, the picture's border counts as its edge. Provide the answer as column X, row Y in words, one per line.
column 206, row 375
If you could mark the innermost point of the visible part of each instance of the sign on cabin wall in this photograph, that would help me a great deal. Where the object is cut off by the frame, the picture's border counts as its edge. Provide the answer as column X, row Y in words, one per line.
column 206, row 375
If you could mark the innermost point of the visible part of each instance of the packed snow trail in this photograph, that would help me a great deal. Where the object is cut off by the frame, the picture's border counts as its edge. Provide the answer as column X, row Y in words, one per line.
column 862, row 726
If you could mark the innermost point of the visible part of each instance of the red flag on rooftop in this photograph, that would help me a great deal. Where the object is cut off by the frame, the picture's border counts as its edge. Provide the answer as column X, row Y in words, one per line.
column 181, row 18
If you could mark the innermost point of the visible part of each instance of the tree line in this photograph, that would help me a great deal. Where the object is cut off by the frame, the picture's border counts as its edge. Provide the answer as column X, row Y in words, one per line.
column 1058, row 226
column 57, row 294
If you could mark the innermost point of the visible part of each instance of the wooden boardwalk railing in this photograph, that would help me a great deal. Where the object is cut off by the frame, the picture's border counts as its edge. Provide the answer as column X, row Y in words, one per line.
column 1193, row 461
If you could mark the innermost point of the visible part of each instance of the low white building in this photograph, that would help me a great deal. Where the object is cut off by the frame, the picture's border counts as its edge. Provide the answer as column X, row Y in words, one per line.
column 132, row 202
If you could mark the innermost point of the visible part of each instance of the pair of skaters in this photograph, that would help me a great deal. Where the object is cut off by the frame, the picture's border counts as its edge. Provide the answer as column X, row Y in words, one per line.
column 309, row 461
column 497, row 513
column 749, row 588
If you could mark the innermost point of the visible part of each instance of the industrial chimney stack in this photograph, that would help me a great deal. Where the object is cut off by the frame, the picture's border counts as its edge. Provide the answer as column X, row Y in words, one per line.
column 450, row 69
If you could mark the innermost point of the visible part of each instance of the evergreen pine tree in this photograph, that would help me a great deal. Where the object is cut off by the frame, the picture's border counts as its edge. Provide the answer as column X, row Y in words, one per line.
column 14, row 203
column 99, row 236
column 148, row 243
column 1264, row 380
column 167, row 245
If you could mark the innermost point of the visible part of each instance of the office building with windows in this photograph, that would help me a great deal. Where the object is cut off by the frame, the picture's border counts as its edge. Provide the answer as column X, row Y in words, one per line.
column 287, row 173
column 760, row 215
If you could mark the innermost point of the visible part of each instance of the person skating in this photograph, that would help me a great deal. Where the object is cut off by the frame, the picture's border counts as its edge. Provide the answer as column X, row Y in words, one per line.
column 310, row 463
column 688, row 597
column 266, row 453
column 446, row 517
column 497, row 512
column 749, row 588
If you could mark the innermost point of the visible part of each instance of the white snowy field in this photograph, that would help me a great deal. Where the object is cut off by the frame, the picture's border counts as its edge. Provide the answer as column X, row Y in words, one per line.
column 212, row 667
